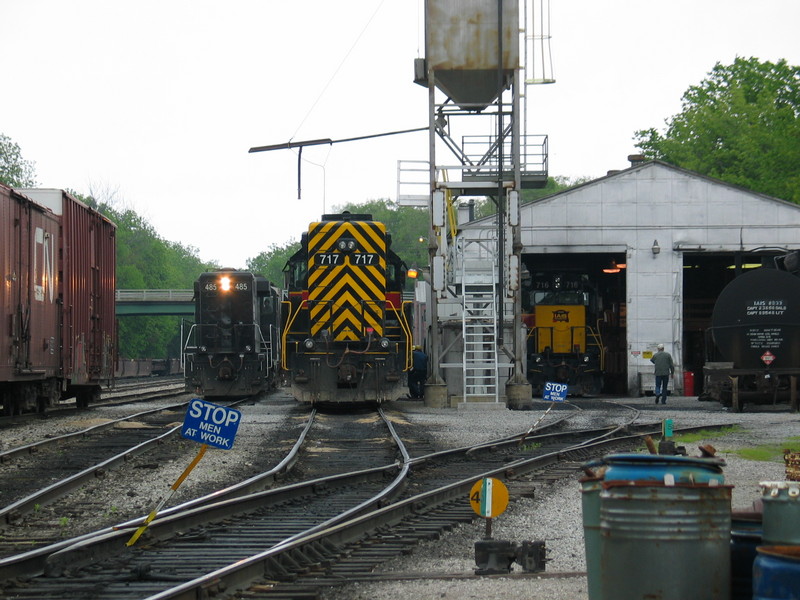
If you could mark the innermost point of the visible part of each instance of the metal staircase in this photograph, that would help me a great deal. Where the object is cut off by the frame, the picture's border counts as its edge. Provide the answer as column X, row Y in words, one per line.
column 479, row 326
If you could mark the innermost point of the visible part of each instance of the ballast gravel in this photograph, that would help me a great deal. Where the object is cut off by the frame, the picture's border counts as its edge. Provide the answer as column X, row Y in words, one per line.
column 445, row 569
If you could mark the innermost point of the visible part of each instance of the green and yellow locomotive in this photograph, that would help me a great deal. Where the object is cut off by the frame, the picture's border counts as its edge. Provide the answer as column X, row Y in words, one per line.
column 347, row 330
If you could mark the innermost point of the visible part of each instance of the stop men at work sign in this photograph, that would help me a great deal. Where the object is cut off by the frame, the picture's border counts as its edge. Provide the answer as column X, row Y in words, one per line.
column 211, row 424
column 555, row 392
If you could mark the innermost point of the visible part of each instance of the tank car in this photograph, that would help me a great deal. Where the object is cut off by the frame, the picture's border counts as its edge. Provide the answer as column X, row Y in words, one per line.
column 755, row 331
column 231, row 350
column 57, row 321
column 563, row 345
column 347, row 331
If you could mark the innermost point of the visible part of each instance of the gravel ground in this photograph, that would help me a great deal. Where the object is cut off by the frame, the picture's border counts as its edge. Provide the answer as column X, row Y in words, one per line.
column 445, row 568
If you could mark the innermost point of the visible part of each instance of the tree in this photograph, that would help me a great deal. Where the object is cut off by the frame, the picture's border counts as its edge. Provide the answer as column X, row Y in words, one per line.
column 15, row 171
column 146, row 261
column 406, row 225
column 271, row 262
column 487, row 206
column 741, row 125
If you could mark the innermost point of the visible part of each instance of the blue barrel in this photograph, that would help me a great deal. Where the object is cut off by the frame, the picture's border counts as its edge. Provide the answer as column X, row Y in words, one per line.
column 781, row 501
column 590, row 503
column 746, row 535
column 776, row 573
column 664, row 469
column 665, row 542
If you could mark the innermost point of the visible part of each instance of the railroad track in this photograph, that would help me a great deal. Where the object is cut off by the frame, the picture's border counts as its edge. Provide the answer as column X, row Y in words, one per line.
column 140, row 391
column 335, row 533
column 35, row 475
column 276, row 515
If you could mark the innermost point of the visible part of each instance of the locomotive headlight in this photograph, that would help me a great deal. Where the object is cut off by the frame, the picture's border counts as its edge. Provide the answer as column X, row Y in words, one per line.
column 225, row 283
column 346, row 245
column 308, row 344
column 586, row 358
column 248, row 348
column 384, row 343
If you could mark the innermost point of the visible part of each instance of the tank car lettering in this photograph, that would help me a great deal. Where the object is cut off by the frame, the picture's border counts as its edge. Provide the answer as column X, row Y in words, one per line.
column 765, row 338
column 766, row 308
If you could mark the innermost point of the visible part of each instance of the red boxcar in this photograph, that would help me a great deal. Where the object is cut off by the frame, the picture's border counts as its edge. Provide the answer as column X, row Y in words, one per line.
column 57, row 302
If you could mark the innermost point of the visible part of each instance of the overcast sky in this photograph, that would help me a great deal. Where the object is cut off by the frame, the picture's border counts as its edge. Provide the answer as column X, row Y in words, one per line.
column 158, row 101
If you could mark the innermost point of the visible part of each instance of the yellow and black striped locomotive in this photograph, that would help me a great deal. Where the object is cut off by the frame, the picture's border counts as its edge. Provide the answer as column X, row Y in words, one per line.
column 347, row 330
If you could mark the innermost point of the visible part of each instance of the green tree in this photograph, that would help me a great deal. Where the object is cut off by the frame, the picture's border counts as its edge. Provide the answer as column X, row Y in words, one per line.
column 487, row 206
column 15, row 171
column 147, row 261
column 408, row 227
column 741, row 125
column 271, row 262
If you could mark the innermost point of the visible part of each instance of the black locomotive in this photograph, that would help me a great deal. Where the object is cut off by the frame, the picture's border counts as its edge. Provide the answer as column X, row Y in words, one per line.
column 232, row 349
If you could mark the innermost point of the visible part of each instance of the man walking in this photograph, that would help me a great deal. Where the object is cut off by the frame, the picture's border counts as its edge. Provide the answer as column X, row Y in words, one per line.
column 664, row 368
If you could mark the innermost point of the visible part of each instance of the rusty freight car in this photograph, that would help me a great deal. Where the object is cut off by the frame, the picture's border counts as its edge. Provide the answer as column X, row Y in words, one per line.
column 57, row 308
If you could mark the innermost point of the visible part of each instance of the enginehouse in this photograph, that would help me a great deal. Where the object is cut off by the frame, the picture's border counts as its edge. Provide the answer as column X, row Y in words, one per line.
column 615, row 266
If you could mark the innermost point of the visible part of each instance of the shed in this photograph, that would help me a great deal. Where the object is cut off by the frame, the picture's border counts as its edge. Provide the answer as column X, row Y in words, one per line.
column 661, row 242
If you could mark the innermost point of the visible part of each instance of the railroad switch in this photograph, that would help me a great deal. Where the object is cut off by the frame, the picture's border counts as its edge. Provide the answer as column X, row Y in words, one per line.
column 495, row 557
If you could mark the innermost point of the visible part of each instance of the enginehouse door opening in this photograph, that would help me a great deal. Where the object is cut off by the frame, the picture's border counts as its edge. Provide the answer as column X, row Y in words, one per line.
column 574, row 309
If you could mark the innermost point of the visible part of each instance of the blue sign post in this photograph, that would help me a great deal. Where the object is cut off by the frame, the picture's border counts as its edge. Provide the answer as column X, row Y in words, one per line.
column 211, row 424
column 555, row 392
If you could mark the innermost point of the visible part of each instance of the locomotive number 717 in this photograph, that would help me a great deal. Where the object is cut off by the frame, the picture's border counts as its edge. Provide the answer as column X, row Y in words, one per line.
column 323, row 259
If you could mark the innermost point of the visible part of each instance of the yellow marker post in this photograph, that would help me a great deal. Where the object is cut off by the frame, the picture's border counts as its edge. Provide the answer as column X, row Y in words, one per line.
column 173, row 489
column 489, row 498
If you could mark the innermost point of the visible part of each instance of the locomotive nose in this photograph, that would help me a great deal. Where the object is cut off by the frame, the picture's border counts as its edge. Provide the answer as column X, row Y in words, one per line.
column 225, row 371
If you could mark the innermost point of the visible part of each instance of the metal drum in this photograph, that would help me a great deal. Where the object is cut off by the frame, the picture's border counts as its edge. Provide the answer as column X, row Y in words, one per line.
column 776, row 573
column 665, row 542
column 666, row 469
column 781, row 512
column 590, row 503
column 746, row 535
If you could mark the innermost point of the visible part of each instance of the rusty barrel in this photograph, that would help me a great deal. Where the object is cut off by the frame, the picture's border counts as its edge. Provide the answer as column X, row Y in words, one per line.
column 666, row 469
column 670, row 542
column 776, row 573
column 590, row 504
column 781, row 500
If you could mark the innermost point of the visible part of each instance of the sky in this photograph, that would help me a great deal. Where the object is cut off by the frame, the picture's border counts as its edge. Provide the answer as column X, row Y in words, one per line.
column 153, row 105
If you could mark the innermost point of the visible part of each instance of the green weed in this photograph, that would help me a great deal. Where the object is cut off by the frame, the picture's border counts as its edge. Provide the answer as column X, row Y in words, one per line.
column 770, row 452
column 531, row 446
